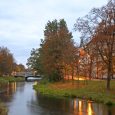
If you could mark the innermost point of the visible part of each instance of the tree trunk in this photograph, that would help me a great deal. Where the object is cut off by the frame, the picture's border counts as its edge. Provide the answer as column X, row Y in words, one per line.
column 108, row 80
column 72, row 74
column 109, row 72
column 97, row 68
column 90, row 69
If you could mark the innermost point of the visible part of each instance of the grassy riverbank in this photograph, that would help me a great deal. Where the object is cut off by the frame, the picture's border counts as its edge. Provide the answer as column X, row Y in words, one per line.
column 4, row 80
column 91, row 90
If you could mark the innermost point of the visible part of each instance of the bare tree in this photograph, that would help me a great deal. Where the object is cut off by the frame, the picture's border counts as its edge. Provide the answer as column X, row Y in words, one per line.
column 100, row 26
column 105, row 37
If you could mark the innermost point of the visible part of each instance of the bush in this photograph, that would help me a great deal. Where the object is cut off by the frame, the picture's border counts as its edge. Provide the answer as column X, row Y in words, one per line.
column 44, row 81
column 55, row 76
column 3, row 82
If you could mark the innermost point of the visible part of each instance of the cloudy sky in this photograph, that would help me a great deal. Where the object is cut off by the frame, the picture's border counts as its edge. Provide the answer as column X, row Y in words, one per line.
column 22, row 21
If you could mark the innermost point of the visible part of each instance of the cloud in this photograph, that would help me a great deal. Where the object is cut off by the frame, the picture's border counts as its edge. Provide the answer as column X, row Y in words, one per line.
column 22, row 21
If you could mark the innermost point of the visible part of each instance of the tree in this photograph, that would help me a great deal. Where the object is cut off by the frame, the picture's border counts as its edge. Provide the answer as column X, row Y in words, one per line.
column 21, row 67
column 6, row 61
column 55, row 52
column 34, row 61
column 105, row 37
column 100, row 23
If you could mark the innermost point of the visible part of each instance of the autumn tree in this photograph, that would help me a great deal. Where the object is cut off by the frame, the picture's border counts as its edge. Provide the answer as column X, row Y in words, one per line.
column 20, row 67
column 56, row 51
column 105, row 40
column 6, row 61
column 99, row 26
column 86, row 27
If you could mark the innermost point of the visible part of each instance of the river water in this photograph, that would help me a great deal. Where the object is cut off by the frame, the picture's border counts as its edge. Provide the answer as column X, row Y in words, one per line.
column 21, row 99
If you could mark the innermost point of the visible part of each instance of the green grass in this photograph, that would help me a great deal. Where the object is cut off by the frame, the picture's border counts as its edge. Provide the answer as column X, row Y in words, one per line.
column 4, row 80
column 13, row 79
column 90, row 90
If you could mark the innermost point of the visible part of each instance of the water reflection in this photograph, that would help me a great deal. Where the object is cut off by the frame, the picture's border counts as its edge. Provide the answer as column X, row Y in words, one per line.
column 74, row 107
column 11, row 88
column 89, row 109
column 21, row 99
column 82, row 107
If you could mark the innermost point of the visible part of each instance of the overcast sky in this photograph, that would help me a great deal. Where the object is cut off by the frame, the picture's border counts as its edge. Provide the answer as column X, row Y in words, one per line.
column 22, row 21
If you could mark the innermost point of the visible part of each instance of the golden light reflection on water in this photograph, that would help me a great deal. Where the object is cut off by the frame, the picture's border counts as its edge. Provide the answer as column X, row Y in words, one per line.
column 11, row 88
column 89, row 109
column 82, row 107
column 74, row 104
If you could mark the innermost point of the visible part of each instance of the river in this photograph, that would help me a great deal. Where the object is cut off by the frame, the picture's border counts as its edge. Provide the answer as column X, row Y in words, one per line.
column 21, row 99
